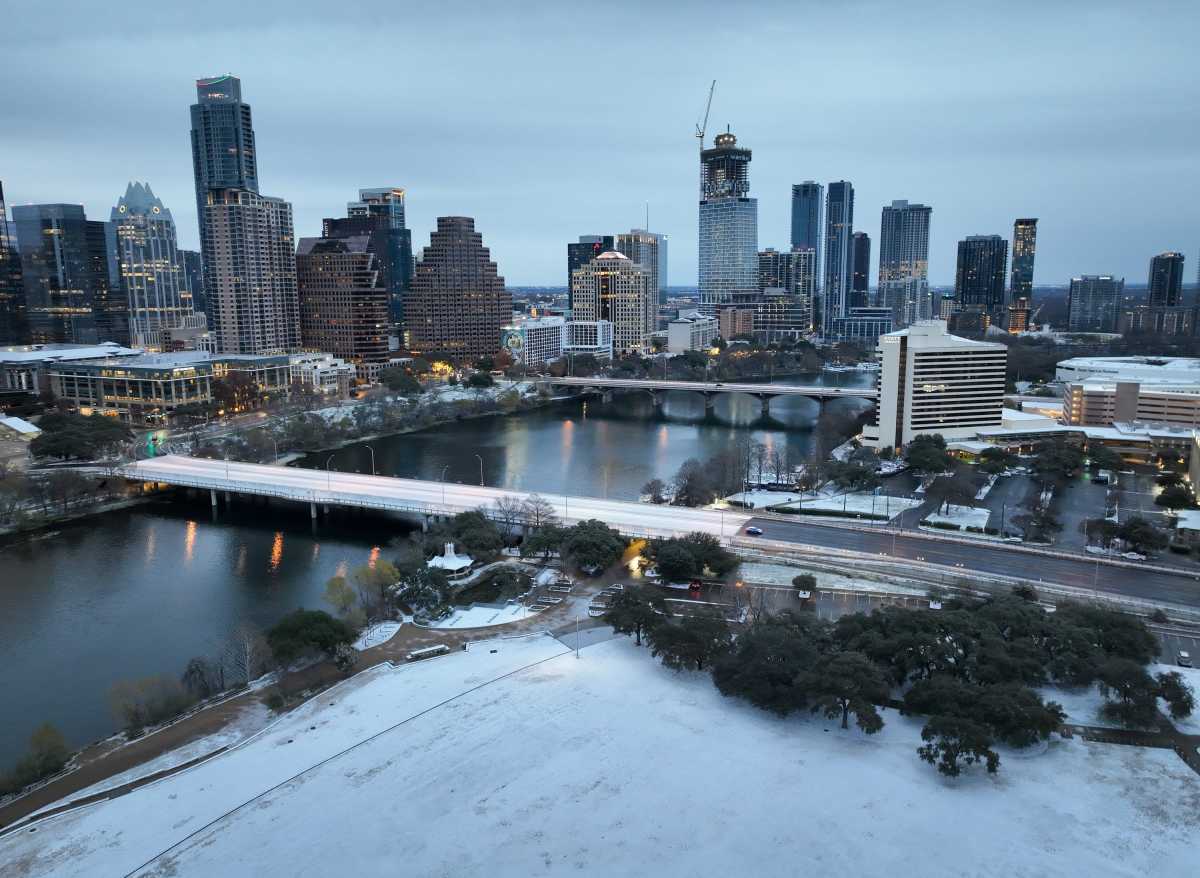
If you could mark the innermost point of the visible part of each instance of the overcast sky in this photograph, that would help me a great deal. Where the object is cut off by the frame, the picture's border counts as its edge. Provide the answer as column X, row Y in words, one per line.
column 550, row 120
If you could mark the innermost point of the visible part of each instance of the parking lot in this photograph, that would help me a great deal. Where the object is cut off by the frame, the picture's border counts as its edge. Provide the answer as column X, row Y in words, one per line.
column 1131, row 494
column 1174, row 640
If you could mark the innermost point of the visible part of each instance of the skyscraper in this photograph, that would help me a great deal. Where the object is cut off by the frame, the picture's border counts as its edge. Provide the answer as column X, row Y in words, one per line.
column 1166, row 280
column 787, row 280
column 613, row 287
column 583, row 251
column 806, row 219
column 839, row 229
column 649, row 250
column 860, row 284
column 246, row 239
column 904, row 262
column 343, row 299
column 1024, row 249
column 379, row 214
column 979, row 278
column 64, row 259
column 148, row 265
column 1093, row 303
column 193, row 279
column 728, row 224
column 458, row 302
column 14, row 326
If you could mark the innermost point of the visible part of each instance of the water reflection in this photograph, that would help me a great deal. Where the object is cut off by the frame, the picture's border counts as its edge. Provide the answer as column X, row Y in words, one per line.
column 189, row 542
column 276, row 551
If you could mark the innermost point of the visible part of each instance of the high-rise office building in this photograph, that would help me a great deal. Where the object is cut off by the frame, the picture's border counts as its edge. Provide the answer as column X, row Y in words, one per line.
column 839, row 231
column 458, row 303
column 788, row 283
column 613, row 287
column 1024, row 249
column 807, row 231
column 246, row 238
column 1093, row 303
column 64, row 260
column 343, row 300
column 934, row 382
column 649, row 250
column 1166, row 280
column 728, row 225
column 193, row 279
column 151, row 276
column 583, row 251
column 379, row 214
column 979, row 278
column 860, row 275
column 904, row 262
column 14, row 326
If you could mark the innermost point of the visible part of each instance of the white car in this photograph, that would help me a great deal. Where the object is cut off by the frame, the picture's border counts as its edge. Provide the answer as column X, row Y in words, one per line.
column 1133, row 556
column 1184, row 658
column 1095, row 550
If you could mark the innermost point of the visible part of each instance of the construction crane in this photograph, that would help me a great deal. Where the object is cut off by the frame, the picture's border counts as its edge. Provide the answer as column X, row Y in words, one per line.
column 702, row 127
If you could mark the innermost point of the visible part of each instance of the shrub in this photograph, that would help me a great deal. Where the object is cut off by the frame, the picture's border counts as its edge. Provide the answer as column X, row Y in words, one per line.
column 305, row 632
column 47, row 755
column 148, row 701
column 274, row 700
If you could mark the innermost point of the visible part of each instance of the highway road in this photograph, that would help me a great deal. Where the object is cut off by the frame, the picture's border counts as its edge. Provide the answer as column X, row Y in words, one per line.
column 1182, row 589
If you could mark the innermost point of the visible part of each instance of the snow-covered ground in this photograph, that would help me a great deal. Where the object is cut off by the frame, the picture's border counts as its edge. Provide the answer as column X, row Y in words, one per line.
column 481, row 616
column 253, row 718
column 862, row 503
column 827, row 501
column 1082, row 705
column 1191, row 725
column 757, row 573
column 380, row 632
column 529, row 761
column 963, row 516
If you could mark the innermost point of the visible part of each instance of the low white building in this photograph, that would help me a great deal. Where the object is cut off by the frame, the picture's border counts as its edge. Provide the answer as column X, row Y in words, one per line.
column 934, row 382
column 535, row 341
column 593, row 337
column 323, row 372
column 691, row 333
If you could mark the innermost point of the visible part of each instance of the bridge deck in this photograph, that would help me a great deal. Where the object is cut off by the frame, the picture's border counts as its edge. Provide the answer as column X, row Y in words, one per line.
column 812, row 391
column 420, row 497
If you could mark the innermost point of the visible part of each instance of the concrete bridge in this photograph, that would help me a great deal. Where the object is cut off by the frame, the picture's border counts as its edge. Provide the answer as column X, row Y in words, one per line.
column 420, row 500
column 710, row 389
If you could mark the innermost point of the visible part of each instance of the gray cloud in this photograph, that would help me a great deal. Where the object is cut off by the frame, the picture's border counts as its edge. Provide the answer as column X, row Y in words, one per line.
column 549, row 120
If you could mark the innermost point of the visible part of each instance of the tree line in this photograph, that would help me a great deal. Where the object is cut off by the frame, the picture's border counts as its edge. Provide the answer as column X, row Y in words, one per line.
column 970, row 669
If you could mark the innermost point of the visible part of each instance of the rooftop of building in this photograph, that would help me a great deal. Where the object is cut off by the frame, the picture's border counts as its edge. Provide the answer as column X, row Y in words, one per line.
column 39, row 353
column 1112, row 365
column 537, row 322
column 174, row 360
column 933, row 333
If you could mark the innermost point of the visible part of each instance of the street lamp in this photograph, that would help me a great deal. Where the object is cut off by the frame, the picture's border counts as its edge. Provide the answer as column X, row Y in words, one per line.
column 480, row 470
column 443, row 481
column 329, row 473
column 372, row 450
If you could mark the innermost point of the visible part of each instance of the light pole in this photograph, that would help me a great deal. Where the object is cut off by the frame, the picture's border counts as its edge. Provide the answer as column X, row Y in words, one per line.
column 329, row 473
column 480, row 459
column 443, row 480
column 372, row 450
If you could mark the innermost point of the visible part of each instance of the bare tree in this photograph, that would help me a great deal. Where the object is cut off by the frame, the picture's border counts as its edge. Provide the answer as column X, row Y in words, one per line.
column 758, row 457
column 247, row 652
column 537, row 511
column 508, row 510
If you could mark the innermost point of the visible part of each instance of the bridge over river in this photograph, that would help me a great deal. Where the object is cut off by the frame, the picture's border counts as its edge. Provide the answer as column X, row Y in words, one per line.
column 710, row 389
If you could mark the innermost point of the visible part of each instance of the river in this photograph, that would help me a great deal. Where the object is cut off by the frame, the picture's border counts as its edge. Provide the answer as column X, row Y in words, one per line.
column 138, row 592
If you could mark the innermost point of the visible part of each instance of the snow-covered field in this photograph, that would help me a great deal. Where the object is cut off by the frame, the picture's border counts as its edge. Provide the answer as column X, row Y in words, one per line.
column 826, row 501
column 529, row 761
column 963, row 516
column 1081, row 705
column 481, row 616
column 757, row 573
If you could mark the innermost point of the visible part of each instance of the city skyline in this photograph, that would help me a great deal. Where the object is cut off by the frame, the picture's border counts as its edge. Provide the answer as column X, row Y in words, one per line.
column 446, row 138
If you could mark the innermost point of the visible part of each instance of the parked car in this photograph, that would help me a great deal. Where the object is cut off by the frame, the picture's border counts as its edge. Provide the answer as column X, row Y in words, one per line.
column 1095, row 550
column 1133, row 556
column 754, row 531
column 1184, row 659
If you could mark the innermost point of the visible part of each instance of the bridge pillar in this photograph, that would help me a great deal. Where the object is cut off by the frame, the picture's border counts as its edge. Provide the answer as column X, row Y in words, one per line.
column 709, row 401
column 228, row 497
column 213, row 496
column 606, row 396
column 657, row 398
column 312, row 510
column 765, row 403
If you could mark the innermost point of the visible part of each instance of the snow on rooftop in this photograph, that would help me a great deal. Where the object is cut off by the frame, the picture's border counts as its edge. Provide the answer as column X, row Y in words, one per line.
column 19, row 425
column 450, row 560
column 530, row 761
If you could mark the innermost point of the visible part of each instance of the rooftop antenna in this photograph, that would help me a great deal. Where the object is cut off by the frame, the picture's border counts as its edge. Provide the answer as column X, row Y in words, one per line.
column 647, row 216
column 702, row 127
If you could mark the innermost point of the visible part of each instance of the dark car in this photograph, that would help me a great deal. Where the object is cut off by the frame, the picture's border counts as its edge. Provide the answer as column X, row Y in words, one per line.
column 754, row 531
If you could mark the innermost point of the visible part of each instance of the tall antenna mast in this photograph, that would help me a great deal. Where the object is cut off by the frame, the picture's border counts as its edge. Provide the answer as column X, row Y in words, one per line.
column 702, row 127
column 647, row 226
